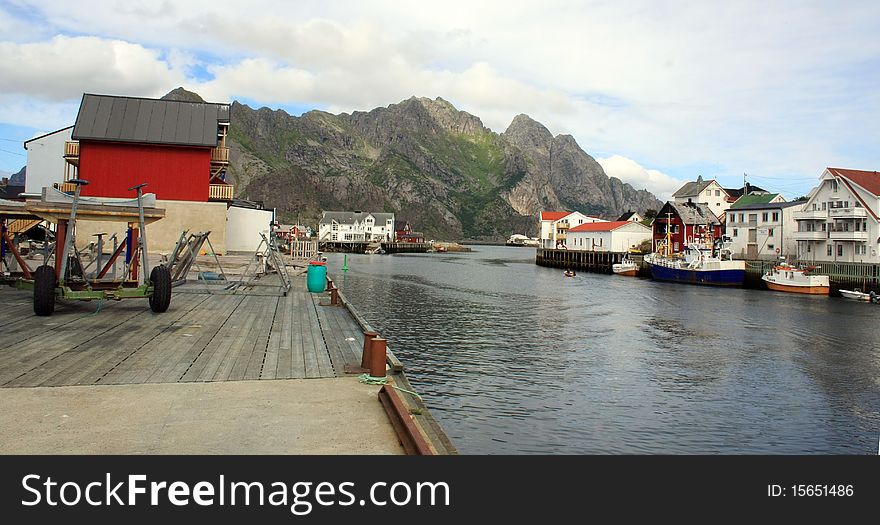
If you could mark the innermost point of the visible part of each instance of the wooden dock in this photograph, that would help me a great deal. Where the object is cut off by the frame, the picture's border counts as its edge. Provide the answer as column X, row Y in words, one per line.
column 846, row 275
column 204, row 337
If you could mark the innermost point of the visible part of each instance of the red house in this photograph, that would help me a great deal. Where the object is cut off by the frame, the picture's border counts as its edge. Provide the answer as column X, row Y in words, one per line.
column 403, row 232
column 178, row 148
column 685, row 221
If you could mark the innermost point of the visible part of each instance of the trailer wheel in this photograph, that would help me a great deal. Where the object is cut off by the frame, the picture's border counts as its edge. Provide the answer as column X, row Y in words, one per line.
column 160, row 277
column 44, row 290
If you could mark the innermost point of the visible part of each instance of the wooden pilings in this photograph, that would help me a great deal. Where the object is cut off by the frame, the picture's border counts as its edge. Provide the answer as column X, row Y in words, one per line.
column 588, row 261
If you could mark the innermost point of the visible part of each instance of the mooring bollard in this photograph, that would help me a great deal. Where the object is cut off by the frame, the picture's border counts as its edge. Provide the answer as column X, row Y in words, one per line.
column 377, row 357
column 334, row 296
column 365, row 356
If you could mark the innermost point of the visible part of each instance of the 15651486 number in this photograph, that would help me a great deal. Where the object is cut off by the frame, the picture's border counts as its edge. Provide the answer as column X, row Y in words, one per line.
column 822, row 490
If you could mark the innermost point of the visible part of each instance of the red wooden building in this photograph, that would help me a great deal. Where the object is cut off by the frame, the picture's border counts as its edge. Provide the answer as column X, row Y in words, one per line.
column 686, row 220
column 403, row 232
column 178, row 148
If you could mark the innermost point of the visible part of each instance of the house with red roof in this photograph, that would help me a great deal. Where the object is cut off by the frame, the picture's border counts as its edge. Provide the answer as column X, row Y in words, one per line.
column 555, row 225
column 841, row 219
column 605, row 236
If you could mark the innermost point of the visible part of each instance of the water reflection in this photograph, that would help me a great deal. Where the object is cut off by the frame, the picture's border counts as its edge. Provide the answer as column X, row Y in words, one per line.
column 515, row 358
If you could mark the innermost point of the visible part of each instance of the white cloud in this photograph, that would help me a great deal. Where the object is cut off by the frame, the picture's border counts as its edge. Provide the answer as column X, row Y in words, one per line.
column 65, row 67
column 733, row 87
column 639, row 177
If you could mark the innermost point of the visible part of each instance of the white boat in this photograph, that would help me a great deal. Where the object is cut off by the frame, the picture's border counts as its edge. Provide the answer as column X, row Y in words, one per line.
column 856, row 295
column 626, row 267
column 786, row 278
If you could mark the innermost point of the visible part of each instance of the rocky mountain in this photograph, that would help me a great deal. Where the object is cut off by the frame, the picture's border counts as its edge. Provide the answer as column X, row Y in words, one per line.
column 18, row 179
column 429, row 163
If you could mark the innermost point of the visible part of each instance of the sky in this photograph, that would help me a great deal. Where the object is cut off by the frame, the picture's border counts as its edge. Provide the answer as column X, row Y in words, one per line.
column 658, row 91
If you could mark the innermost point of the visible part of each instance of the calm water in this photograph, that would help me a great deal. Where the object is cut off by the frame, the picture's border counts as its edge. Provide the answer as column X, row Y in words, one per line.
column 515, row 358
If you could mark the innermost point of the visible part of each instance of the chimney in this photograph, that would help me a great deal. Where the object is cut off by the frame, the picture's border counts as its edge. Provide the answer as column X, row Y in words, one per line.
column 746, row 192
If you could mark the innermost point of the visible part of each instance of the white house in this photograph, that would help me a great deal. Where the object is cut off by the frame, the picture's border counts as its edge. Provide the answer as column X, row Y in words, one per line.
column 631, row 216
column 45, row 160
column 555, row 224
column 356, row 226
column 707, row 192
column 616, row 236
column 841, row 218
column 762, row 227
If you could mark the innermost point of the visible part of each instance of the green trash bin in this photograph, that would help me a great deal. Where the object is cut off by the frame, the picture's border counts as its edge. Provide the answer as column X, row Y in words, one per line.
column 316, row 276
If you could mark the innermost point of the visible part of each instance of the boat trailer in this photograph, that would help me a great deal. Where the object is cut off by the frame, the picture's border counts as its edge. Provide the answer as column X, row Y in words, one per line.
column 67, row 280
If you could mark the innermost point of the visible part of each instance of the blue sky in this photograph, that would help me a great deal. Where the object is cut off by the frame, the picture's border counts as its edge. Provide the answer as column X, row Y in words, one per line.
column 658, row 91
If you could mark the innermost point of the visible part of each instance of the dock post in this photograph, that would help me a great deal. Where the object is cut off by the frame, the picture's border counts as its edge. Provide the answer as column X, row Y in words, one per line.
column 334, row 295
column 365, row 356
column 377, row 357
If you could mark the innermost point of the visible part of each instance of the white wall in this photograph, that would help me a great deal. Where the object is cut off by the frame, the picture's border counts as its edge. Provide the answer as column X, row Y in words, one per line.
column 619, row 240
column 243, row 227
column 45, row 161
column 817, row 250
column 783, row 229
column 713, row 196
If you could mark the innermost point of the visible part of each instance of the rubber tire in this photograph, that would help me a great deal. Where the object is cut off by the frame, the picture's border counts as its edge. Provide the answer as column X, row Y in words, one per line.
column 160, row 278
column 44, row 290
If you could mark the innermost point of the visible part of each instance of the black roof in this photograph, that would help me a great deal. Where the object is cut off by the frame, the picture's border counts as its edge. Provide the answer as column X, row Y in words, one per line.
column 148, row 120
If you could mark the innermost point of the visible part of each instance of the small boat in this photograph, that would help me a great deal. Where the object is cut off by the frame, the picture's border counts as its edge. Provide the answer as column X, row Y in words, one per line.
column 626, row 267
column 569, row 273
column 856, row 295
column 787, row 278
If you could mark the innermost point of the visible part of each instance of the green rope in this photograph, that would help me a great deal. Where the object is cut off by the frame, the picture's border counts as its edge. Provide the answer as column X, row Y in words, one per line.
column 98, row 309
column 407, row 391
column 367, row 379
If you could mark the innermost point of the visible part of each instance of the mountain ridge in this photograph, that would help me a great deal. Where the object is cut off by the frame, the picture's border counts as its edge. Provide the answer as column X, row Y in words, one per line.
column 430, row 163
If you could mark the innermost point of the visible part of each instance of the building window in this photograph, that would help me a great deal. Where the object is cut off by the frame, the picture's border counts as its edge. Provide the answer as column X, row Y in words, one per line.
column 840, row 250
column 829, row 250
column 335, row 227
column 335, row 236
column 735, row 232
column 717, row 193
column 861, row 249
column 771, row 247
column 815, row 207
column 770, row 233
column 764, row 217
column 708, row 193
column 824, row 226
column 775, row 216
column 834, row 186
column 675, row 247
column 742, row 217
column 864, row 226
column 823, row 206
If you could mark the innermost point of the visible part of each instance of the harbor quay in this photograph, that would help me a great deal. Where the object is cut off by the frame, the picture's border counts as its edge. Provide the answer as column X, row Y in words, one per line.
column 846, row 275
column 244, row 372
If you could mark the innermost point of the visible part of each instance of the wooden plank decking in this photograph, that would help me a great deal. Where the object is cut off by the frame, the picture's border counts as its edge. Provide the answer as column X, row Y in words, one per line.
column 201, row 338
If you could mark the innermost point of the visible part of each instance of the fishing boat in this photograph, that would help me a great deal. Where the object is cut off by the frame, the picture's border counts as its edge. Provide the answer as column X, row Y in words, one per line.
column 626, row 267
column 787, row 278
column 569, row 273
column 704, row 261
column 856, row 295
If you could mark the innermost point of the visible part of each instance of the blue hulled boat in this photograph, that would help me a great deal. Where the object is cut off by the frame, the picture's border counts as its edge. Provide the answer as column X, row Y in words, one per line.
column 702, row 263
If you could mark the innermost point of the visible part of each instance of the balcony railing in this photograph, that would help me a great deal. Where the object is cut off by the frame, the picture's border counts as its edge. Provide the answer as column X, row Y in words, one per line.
column 810, row 215
column 220, row 192
column 848, row 236
column 220, row 155
column 847, row 213
column 67, row 187
column 71, row 149
column 810, row 236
